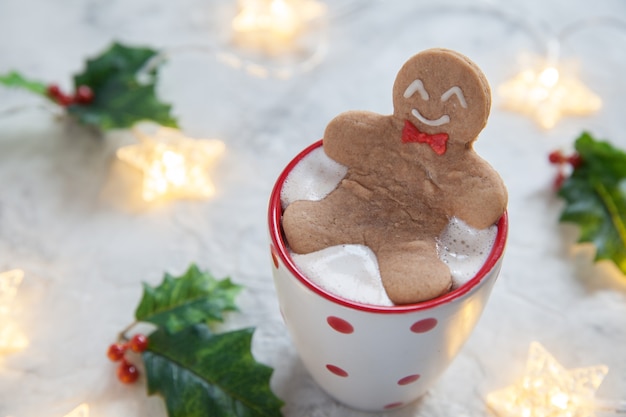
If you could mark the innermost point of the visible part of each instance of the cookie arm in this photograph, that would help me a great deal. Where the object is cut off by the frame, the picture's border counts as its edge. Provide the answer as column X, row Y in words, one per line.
column 482, row 198
column 350, row 136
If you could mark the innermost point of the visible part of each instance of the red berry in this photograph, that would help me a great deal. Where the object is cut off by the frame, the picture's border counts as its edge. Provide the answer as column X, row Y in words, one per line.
column 575, row 160
column 127, row 372
column 84, row 94
column 116, row 352
column 556, row 157
column 64, row 100
column 139, row 343
column 54, row 91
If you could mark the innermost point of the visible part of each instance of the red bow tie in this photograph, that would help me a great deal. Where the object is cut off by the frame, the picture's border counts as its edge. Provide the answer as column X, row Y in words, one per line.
column 412, row 134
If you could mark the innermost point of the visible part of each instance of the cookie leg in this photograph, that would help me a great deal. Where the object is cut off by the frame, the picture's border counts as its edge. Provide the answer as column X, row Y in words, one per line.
column 412, row 272
column 308, row 226
column 338, row 219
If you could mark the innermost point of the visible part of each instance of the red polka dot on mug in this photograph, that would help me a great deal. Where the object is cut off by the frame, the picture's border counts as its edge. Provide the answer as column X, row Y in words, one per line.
column 408, row 379
column 424, row 325
column 340, row 325
column 393, row 405
column 337, row 370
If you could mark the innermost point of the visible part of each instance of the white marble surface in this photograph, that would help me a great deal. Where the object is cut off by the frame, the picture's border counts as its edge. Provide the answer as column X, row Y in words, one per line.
column 70, row 215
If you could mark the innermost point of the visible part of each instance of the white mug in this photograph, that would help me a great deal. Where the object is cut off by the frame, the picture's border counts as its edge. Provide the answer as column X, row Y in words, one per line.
column 374, row 358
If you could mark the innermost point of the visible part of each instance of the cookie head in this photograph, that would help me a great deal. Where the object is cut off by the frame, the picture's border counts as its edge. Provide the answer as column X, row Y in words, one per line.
column 442, row 91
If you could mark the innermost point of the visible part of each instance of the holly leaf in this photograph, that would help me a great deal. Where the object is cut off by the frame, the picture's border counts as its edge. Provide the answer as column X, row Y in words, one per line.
column 202, row 374
column 194, row 297
column 595, row 196
column 120, row 98
column 123, row 82
column 15, row 79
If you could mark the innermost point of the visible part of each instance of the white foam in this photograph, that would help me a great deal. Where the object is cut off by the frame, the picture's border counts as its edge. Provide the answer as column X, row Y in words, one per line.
column 465, row 249
column 313, row 178
column 351, row 271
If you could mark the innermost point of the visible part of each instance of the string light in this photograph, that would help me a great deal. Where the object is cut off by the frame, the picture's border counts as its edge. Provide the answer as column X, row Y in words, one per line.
column 267, row 22
column 547, row 94
column 274, row 38
column 80, row 411
column 549, row 390
column 11, row 337
column 173, row 165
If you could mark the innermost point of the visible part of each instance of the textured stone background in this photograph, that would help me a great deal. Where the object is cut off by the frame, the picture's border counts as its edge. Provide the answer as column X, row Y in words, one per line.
column 70, row 215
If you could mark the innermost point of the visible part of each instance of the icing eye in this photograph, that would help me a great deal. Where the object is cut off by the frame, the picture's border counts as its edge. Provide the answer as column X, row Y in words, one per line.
column 456, row 90
column 416, row 86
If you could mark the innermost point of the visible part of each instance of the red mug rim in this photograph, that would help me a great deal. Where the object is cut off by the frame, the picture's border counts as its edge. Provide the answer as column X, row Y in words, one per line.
column 278, row 242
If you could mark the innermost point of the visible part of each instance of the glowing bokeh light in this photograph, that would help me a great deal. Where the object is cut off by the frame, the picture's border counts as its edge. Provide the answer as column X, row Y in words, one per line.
column 549, row 390
column 80, row 411
column 547, row 95
column 173, row 165
column 275, row 20
column 11, row 337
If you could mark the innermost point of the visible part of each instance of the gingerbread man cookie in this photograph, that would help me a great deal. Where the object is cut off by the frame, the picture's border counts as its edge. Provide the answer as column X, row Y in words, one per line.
column 408, row 174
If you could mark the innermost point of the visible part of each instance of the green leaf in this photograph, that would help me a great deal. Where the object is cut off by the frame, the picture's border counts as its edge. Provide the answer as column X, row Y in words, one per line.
column 595, row 194
column 15, row 79
column 194, row 297
column 201, row 374
column 120, row 98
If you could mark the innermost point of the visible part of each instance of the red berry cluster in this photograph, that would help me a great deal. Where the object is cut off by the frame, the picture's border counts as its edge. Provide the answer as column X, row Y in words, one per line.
column 126, row 371
column 563, row 161
column 83, row 95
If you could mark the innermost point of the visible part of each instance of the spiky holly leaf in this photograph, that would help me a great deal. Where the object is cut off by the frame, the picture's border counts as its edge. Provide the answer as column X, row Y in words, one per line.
column 595, row 194
column 194, row 297
column 202, row 374
column 120, row 98
column 15, row 79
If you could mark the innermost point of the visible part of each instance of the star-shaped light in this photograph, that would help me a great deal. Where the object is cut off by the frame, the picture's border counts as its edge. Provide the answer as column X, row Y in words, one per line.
column 11, row 337
column 173, row 165
column 549, row 390
column 80, row 411
column 278, row 19
column 546, row 95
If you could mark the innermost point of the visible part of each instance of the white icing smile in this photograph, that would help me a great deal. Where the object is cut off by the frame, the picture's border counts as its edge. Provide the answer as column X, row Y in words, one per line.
column 417, row 86
column 437, row 122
